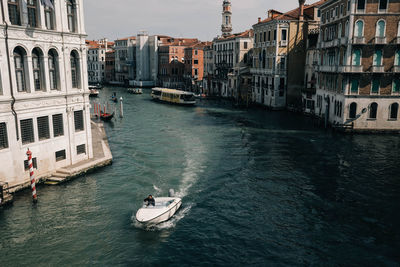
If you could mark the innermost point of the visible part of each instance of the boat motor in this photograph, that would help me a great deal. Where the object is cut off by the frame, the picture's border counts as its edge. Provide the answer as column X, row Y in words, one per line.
column 171, row 193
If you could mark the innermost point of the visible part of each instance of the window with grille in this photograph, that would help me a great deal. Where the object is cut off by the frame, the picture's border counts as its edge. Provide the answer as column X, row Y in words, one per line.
column 78, row 118
column 19, row 70
column 27, row 134
column 26, row 164
column 58, row 125
column 14, row 12
column 81, row 149
column 3, row 136
column 71, row 15
column 49, row 17
column 37, row 72
column 60, row 155
column 43, row 128
column 32, row 13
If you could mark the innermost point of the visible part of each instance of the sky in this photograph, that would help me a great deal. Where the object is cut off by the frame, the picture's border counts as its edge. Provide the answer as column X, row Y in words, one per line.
column 200, row 19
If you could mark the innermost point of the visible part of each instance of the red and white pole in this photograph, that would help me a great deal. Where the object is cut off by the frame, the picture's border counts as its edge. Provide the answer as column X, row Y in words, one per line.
column 33, row 183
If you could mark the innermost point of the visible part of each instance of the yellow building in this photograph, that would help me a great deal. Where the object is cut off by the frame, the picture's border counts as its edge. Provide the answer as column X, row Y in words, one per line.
column 280, row 54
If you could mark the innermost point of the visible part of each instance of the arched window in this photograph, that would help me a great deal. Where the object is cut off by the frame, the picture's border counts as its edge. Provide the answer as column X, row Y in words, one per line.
column 394, row 111
column 346, row 30
column 75, row 77
column 53, row 69
column 397, row 58
column 37, row 65
column 373, row 110
column 377, row 58
column 359, row 29
column 357, row 57
column 71, row 14
column 20, row 69
column 353, row 110
column 380, row 28
column 14, row 12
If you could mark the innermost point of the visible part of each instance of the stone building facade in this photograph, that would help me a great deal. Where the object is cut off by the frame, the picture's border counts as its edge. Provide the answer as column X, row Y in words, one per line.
column 171, row 58
column 279, row 55
column 44, row 97
column 359, row 80
column 125, row 60
column 228, row 52
column 97, row 59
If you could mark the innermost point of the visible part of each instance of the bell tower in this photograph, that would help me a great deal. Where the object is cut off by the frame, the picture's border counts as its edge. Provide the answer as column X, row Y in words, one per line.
column 226, row 27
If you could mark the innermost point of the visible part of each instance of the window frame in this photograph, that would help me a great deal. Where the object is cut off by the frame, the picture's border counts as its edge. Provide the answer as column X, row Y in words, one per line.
column 43, row 126
column 19, row 56
column 71, row 16
column 4, row 143
column 351, row 111
column 373, row 112
column 377, row 32
column 15, row 19
column 32, row 10
column 27, row 139
column 393, row 118
column 37, row 70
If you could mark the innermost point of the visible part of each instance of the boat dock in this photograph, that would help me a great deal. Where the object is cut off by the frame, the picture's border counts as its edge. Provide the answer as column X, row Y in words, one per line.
column 102, row 157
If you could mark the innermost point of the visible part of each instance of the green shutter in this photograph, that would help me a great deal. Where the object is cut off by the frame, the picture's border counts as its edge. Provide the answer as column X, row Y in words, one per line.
column 375, row 86
column 396, row 86
column 354, row 86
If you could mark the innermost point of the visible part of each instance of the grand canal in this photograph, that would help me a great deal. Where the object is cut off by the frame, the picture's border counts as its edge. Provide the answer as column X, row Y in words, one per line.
column 258, row 188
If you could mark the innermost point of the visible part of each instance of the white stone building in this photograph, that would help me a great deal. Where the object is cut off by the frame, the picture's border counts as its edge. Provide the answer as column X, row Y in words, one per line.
column 44, row 99
column 146, row 60
column 96, row 60
column 229, row 52
column 125, row 60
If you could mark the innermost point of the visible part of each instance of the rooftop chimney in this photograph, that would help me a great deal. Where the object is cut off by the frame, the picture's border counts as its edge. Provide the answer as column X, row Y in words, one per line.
column 301, row 9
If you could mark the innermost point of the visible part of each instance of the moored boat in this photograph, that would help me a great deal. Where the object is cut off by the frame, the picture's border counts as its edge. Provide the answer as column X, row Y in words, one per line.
column 173, row 96
column 135, row 91
column 106, row 116
column 94, row 93
column 163, row 210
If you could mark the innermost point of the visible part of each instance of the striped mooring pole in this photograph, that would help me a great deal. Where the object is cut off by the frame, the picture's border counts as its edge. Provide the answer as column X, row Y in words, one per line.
column 33, row 183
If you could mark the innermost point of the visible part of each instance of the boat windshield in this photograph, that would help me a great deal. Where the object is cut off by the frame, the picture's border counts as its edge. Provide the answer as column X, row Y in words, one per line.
column 158, row 205
column 156, row 92
column 188, row 97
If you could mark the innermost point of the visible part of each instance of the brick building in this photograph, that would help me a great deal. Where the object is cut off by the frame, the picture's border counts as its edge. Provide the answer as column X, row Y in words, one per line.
column 171, row 61
column 194, row 66
column 359, row 77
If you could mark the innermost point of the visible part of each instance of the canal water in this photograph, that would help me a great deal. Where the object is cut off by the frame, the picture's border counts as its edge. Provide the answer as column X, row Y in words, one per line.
column 258, row 188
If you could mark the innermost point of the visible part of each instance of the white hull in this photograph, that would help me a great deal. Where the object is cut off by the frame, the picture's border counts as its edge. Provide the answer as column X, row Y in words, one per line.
column 160, row 213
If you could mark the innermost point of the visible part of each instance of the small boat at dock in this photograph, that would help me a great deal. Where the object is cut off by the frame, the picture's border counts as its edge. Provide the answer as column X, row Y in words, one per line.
column 106, row 116
column 94, row 93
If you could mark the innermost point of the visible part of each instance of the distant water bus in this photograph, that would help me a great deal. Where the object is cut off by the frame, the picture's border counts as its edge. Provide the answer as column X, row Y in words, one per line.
column 173, row 96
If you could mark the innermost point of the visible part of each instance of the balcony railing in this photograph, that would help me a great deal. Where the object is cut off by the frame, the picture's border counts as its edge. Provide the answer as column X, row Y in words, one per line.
column 396, row 68
column 358, row 40
column 380, row 40
column 351, row 69
column 343, row 40
column 283, row 43
column 328, row 68
column 378, row 69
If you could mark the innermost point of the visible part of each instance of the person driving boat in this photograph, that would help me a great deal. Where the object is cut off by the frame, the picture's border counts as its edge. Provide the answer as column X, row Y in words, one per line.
column 150, row 200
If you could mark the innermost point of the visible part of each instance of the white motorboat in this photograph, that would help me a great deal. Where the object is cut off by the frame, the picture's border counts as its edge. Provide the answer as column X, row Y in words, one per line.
column 163, row 210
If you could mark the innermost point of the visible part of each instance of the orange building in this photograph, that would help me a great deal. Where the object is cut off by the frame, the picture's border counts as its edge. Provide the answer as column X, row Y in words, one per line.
column 194, row 66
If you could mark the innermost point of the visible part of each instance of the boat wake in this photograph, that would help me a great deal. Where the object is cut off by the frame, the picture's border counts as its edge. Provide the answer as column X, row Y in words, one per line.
column 194, row 165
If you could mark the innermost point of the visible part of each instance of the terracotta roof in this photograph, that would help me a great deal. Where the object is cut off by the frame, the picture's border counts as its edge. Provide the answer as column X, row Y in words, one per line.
column 245, row 34
column 295, row 13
